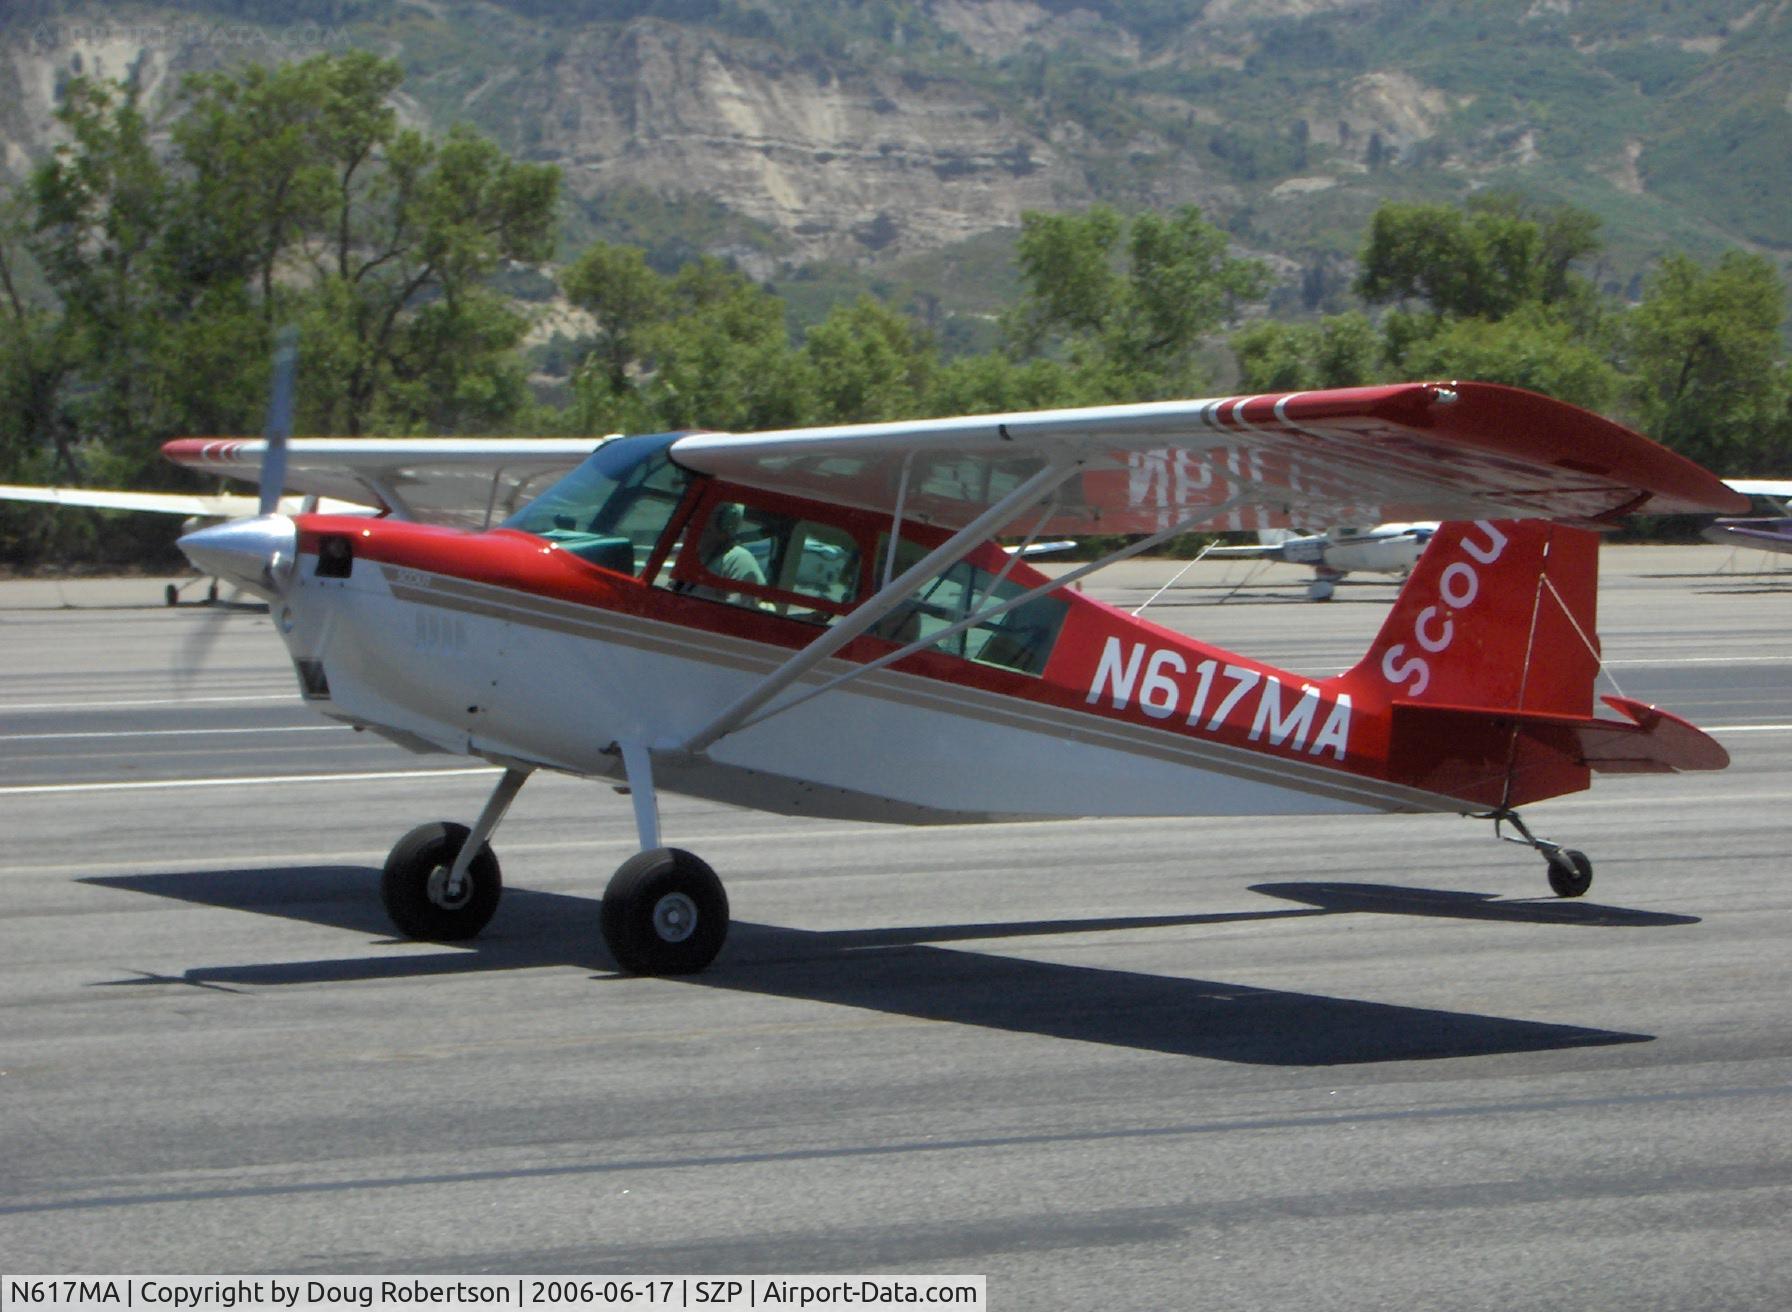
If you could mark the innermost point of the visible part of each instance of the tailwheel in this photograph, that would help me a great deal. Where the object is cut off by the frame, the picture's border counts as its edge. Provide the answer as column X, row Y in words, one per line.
column 665, row 913
column 422, row 898
column 1570, row 873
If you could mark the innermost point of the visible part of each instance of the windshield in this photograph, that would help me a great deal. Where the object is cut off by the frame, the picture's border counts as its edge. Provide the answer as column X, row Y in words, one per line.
column 612, row 509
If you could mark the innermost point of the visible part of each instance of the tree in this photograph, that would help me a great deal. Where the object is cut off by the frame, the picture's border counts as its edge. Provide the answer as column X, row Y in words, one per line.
column 996, row 384
column 35, row 359
column 615, row 286
column 705, row 348
column 302, row 187
column 98, row 208
column 292, row 194
column 1708, row 375
column 724, row 360
column 1528, row 349
column 410, row 229
column 1129, row 304
column 869, row 363
column 1481, row 262
column 1339, row 351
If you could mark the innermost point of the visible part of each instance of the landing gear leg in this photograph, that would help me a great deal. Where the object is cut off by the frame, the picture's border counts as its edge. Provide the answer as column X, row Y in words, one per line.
column 171, row 593
column 442, row 881
column 1570, row 873
column 665, row 911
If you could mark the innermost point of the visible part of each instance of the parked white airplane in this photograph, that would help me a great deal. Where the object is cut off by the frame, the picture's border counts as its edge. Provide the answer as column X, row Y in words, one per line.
column 1383, row 549
column 1770, row 533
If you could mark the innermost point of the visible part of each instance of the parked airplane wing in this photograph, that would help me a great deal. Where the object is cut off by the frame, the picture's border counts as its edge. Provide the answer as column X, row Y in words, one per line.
column 1779, row 488
column 194, row 505
column 469, row 482
column 224, row 505
column 1355, row 455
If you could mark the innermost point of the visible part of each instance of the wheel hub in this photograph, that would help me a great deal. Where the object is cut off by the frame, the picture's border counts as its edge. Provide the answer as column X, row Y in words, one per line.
column 438, row 890
column 674, row 918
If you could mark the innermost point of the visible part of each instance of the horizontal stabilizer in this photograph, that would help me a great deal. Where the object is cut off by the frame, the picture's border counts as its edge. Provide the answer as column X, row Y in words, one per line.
column 1648, row 740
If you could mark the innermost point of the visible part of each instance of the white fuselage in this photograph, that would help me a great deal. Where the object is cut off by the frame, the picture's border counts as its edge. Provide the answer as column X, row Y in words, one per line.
column 459, row 666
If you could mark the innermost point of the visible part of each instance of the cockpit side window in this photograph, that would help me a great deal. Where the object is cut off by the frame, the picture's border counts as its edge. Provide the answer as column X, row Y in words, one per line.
column 772, row 560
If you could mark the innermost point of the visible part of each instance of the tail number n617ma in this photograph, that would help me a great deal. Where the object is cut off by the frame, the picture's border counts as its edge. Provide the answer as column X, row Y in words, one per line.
column 1281, row 717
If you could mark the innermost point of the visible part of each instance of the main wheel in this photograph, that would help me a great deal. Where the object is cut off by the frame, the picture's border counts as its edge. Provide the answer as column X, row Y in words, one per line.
column 1566, row 881
column 414, row 886
column 665, row 913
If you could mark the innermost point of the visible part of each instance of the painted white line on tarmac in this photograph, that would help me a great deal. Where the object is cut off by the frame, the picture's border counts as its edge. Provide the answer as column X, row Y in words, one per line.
column 173, row 733
column 241, row 700
column 1701, row 660
column 147, row 785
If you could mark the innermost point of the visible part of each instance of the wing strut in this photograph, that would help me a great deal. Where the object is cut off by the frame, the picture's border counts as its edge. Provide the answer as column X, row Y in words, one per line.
column 1059, row 471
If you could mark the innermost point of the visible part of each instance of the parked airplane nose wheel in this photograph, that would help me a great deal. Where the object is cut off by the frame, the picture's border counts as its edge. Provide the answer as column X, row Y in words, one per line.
column 1570, row 873
column 665, row 913
column 415, row 888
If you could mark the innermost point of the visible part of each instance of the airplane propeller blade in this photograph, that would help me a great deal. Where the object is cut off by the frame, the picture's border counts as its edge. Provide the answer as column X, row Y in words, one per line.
column 197, row 647
column 258, row 554
column 279, row 423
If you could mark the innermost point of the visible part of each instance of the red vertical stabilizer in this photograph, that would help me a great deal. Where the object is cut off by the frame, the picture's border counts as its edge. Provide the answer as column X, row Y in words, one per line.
column 1495, row 626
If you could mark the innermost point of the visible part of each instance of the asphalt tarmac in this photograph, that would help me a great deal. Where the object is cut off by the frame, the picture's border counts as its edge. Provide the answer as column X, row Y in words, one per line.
column 1203, row 1064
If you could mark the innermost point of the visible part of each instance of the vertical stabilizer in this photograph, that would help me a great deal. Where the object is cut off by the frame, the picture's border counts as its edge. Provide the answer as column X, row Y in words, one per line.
column 1489, row 651
column 1498, row 614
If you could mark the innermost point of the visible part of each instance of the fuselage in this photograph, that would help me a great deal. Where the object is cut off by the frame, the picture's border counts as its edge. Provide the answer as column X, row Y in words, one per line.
column 549, row 642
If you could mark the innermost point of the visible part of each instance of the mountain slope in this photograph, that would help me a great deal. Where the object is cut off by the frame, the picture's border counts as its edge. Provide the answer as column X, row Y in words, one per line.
column 872, row 133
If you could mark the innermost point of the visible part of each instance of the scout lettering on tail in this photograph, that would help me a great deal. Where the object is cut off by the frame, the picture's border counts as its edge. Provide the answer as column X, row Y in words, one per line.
column 1497, row 614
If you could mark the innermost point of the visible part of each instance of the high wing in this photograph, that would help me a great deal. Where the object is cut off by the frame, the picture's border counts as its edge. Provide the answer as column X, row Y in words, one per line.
column 465, row 482
column 1354, row 455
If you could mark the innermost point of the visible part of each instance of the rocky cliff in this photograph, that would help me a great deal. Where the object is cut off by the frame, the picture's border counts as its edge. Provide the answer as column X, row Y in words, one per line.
column 868, row 132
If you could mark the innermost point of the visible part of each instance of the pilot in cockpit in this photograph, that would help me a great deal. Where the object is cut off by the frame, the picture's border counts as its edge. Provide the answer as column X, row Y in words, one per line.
column 723, row 555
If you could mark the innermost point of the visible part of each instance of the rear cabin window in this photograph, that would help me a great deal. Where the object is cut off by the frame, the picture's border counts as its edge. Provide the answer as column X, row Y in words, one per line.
column 1020, row 639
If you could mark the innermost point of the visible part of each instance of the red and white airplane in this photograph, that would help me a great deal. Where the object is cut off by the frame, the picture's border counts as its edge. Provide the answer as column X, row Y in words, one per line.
column 723, row 616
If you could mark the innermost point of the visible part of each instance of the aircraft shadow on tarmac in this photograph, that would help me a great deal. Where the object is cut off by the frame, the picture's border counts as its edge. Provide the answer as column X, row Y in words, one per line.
column 902, row 971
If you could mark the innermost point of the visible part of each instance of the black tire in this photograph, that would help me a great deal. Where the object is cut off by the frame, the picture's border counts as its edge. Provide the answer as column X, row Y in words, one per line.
column 171, row 595
column 1568, row 882
column 412, row 887
column 665, row 913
